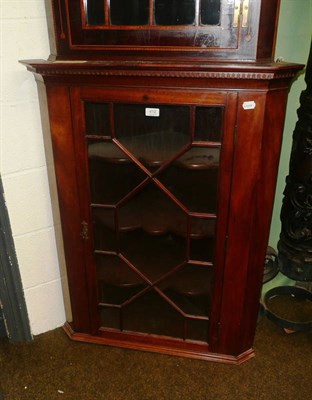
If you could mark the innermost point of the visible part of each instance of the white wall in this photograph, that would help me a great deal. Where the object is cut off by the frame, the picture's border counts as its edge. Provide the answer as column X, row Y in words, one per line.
column 23, row 166
column 22, row 159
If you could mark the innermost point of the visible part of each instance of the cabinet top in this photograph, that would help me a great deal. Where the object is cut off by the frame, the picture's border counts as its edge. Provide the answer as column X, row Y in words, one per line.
column 218, row 74
column 238, row 30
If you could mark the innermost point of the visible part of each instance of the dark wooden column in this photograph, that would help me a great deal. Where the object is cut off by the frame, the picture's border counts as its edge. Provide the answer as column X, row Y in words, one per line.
column 295, row 245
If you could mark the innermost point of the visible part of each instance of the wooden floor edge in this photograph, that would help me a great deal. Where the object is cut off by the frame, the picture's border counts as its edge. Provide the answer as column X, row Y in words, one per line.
column 214, row 357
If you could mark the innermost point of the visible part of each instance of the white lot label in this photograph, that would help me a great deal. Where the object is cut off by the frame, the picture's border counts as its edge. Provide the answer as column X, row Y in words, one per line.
column 249, row 105
column 152, row 112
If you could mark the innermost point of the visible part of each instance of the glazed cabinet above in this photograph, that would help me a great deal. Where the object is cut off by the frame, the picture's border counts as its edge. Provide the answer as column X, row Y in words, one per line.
column 232, row 30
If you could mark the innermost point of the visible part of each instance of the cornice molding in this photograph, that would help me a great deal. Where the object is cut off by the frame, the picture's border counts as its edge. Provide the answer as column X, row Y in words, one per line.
column 164, row 69
column 167, row 74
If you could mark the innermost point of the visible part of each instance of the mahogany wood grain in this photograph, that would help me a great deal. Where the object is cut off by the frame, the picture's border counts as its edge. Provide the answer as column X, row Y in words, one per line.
column 249, row 158
column 245, row 174
column 164, row 347
column 263, row 206
column 192, row 66
column 58, row 103
column 267, row 29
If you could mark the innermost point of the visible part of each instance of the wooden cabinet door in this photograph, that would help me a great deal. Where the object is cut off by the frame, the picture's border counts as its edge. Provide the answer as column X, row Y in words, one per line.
column 154, row 174
column 203, row 29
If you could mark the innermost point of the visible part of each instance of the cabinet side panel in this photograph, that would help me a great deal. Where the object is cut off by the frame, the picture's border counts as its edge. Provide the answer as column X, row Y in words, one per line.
column 53, row 193
column 271, row 145
column 246, row 166
column 64, row 160
column 267, row 28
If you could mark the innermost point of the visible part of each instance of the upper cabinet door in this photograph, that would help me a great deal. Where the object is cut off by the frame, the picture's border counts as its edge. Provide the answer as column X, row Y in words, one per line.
column 205, row 29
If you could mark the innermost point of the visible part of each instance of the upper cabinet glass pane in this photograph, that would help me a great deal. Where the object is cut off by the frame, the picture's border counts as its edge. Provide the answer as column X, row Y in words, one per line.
column 94, row 12
column 175, row 12
column 210, row 12
column 162, row 29
column 129, row 12
column 166, row 12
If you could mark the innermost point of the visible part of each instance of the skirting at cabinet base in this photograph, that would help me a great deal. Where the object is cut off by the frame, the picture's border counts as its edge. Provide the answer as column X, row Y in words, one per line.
column 173, row 348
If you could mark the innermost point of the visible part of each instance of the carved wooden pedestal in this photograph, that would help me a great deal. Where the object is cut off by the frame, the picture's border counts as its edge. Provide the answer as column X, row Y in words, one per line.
column 295, row 245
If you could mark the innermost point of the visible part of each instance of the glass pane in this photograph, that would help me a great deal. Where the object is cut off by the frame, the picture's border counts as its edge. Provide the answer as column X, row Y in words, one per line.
column 189, row 288
column 104, row 232
column 110, row 317
column 174, row 12
column 154, row 212
column 210, row 12
column 197, row 330
column 94, row 12
column 112, row 174
column 153, row 134
column 208, row 124
column 153, row 232
column 117, row 281
column 97, row 119
column 193, row 179
column 149, row 234
column 202, row 239
column 154, row 255
column 129, row 12
column 150, row 313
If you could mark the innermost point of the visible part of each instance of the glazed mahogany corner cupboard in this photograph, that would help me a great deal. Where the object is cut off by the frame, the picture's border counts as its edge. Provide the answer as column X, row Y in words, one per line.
column 166, row 119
